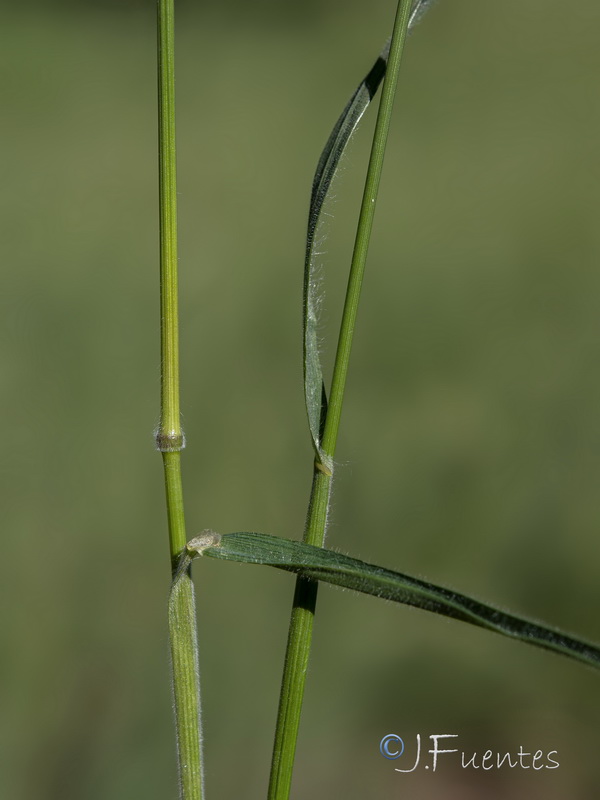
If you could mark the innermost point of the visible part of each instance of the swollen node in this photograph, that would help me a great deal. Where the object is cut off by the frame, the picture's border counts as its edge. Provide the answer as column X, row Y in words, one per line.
column 169, row 441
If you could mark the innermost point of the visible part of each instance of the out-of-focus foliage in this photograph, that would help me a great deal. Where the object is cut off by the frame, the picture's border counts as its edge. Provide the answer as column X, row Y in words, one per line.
column 267, row 11
column 471, row 430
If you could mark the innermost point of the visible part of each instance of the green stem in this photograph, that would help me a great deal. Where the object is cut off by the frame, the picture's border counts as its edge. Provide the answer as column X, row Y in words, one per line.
column 169, row 436
column 303, row 609
column 298, row 649
column 365, row 226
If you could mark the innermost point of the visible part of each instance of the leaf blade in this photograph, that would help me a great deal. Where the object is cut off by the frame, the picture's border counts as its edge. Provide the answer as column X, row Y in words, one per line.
column 314, row 387
column 317, row 563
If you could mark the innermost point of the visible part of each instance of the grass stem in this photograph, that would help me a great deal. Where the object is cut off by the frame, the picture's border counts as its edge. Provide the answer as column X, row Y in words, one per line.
column 301, row 623
column 169, row 437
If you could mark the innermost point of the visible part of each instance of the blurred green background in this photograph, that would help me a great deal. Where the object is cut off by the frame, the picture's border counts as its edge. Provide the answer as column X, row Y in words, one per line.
column 470, row 445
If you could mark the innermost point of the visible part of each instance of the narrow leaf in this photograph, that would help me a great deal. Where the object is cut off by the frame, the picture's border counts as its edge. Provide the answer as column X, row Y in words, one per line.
column 320, row 564
column 314, row 388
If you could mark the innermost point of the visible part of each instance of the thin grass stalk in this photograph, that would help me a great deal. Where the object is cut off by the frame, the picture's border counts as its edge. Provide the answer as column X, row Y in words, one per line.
column 305, row 596
column 169, row 436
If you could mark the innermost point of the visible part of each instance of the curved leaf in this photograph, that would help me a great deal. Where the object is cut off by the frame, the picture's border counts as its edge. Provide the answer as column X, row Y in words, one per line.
column 314, row 388
column 320, row 564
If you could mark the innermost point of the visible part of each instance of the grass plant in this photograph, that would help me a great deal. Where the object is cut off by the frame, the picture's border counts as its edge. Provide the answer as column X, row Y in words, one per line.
column 309, row 560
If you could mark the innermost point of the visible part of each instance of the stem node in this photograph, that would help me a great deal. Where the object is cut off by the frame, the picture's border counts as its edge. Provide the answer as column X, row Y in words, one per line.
column 169, row 441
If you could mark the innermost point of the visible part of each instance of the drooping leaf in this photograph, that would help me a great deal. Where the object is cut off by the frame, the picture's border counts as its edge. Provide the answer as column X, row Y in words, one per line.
column 320, row 564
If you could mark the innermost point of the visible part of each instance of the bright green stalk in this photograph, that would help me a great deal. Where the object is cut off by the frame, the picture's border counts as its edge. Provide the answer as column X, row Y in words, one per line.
column 298, row 649
column 169, row 437
column 363, row 233
column 301, row 623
